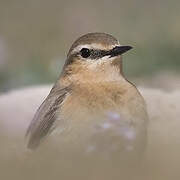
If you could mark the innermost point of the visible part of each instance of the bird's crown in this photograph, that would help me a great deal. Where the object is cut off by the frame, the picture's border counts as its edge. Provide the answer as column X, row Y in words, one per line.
column 94, row 41
column 95, row 46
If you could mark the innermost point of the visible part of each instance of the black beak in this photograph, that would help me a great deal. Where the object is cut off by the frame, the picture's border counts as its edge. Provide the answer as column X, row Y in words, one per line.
column 118, row 50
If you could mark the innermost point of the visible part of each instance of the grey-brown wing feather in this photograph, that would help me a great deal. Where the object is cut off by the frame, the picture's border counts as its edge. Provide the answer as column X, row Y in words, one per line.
column 45, row 116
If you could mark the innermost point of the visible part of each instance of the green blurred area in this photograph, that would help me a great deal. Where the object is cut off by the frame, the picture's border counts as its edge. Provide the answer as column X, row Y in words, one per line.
column 36, row 35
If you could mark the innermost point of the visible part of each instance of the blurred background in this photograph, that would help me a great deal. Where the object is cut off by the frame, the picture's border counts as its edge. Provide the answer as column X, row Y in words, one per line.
column 35, row 36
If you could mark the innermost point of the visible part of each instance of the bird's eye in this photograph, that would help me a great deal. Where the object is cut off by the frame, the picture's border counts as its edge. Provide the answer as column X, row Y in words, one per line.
column 85, row 52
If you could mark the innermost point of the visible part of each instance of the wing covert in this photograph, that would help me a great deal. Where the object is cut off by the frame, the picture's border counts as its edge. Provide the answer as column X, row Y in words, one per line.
column 45, row 116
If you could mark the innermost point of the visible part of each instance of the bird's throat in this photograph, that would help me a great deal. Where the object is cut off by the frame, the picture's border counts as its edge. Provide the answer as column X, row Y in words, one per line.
column 95, row 72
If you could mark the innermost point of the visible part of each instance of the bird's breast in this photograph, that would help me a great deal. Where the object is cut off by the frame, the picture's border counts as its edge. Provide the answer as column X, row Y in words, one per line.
column 105, row 114
column 97, row 100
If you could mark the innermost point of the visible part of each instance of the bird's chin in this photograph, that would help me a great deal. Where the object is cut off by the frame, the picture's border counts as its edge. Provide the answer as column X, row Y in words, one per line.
column 116, row 60
column 108, row 60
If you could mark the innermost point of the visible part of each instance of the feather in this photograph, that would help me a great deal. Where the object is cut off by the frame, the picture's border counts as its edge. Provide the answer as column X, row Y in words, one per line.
column 46, row 115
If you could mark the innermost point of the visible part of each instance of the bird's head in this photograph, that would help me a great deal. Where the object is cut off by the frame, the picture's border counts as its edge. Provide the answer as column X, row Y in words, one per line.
column 93, row 53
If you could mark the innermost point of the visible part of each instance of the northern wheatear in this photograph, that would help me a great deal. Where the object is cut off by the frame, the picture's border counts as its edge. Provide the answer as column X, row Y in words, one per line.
column 92, row 92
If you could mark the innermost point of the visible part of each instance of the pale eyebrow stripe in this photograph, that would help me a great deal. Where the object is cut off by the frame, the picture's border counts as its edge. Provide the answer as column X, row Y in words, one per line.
column 92, row 46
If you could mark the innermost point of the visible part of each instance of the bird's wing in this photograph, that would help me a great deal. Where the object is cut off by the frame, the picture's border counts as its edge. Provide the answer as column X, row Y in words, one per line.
column 45, row 116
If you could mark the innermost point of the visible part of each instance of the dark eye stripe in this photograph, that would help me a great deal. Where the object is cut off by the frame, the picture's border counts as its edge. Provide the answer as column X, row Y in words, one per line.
column 96, row 54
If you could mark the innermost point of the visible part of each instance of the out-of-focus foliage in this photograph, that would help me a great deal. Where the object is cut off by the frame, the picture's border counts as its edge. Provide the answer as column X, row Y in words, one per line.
column 36, row 35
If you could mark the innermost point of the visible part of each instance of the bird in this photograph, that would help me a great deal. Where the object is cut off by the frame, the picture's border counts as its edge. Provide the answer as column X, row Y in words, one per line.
column 92, row 104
